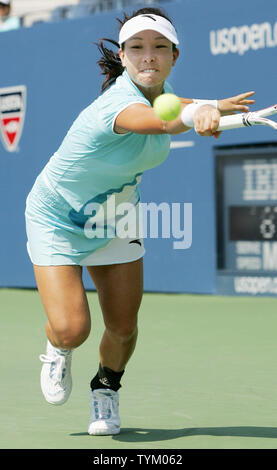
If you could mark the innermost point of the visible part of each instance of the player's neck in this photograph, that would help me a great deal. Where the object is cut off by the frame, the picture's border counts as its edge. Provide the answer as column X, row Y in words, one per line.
column 151, row 93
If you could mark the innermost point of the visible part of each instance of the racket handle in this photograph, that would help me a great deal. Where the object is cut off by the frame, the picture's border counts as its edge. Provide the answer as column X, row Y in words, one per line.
column 232, row 122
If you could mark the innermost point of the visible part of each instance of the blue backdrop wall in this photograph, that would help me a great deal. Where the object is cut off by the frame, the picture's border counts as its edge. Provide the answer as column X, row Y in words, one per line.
column 225, row 48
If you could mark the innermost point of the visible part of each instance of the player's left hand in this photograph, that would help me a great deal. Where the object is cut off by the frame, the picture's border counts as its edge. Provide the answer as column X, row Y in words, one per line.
column 239, row 103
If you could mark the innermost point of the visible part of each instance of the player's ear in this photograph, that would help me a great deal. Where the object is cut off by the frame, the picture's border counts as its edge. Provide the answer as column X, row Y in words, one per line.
column 175, row 56
column 122, row 56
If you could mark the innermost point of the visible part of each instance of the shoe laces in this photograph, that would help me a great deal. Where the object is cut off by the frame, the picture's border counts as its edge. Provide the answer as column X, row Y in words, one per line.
column 58, row 365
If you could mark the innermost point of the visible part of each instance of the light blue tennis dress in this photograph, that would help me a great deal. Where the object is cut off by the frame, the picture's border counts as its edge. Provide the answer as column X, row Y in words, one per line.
column 67, row 216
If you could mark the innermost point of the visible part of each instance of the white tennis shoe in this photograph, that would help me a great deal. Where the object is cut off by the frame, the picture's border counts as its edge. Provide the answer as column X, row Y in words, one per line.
column 55, row 377
column 104, row 418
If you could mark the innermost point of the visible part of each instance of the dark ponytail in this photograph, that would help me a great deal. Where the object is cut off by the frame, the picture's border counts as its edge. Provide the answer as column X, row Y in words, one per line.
column 110, row 62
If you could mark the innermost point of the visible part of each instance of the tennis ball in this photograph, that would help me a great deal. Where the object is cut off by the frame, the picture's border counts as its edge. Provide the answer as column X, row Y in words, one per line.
column 167, row 106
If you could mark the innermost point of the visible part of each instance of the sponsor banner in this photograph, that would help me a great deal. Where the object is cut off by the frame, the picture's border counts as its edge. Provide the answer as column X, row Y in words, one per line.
column 12, row 115
column 255, row 285
column 241, row 39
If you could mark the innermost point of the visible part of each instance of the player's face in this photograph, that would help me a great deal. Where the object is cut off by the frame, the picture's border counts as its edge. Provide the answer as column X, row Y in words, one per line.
column 4, row 10
column 148, row 57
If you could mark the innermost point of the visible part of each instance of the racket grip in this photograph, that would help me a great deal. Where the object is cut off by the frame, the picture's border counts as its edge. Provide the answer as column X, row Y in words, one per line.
column 232, row 122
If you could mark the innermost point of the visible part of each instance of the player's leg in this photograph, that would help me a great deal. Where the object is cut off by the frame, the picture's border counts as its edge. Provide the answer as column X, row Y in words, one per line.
column 64, row 299
column 63, row 296
column 120, row 288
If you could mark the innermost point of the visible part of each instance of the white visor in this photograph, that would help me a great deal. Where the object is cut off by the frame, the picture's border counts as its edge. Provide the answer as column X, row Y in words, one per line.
column 143, row 22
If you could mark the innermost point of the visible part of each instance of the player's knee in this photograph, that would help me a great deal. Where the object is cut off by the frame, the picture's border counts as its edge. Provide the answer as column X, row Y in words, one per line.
column 72, row 337
column 123, row 333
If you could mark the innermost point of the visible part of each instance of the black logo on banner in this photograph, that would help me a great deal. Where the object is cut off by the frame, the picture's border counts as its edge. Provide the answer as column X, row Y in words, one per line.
column 12, row 115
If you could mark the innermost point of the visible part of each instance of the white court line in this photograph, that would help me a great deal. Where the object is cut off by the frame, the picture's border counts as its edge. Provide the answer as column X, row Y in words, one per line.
column 178, row 144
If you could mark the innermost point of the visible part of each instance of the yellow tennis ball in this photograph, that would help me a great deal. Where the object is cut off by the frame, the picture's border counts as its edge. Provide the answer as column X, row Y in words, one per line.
column 167, row 106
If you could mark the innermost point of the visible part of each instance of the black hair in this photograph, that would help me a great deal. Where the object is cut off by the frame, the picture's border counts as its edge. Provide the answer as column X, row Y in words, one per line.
column 110, row 62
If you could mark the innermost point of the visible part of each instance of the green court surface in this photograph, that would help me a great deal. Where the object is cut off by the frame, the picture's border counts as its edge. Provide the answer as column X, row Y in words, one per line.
column 203, row 376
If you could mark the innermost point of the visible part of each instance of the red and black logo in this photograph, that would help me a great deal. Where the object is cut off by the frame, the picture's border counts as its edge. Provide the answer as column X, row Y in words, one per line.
column 12, row 115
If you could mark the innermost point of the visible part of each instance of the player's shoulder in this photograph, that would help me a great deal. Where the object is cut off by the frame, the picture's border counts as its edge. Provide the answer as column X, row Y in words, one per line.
column 123, row 87
column 121, row 92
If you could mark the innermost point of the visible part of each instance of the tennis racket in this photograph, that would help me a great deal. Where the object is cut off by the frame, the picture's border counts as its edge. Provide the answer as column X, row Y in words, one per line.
column 254, row 118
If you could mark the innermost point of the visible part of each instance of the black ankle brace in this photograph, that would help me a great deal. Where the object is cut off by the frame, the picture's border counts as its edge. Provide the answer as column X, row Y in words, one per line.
column 106, row 378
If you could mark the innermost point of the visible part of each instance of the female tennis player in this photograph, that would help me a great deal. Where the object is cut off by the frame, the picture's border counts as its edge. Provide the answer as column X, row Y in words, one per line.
column 102, row 158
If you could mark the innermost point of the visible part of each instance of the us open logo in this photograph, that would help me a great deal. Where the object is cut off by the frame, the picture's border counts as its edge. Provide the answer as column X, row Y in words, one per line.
column 12, row 115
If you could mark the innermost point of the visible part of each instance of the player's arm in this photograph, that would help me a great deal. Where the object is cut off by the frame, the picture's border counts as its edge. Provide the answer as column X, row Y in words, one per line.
column 141, row 119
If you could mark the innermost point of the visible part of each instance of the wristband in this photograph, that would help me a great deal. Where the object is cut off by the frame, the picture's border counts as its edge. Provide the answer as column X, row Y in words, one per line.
column 188, row 112
column 211, row 102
